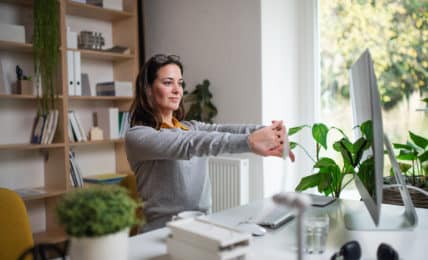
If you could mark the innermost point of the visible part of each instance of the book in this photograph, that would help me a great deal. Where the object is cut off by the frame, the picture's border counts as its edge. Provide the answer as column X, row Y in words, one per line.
column 105, row 178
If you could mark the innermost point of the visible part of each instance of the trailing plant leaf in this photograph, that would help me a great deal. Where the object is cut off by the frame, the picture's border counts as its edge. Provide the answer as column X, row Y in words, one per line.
column 367, row 130
column 343, row 147
column 319, row 133
column 46, row 42
column 293, row 145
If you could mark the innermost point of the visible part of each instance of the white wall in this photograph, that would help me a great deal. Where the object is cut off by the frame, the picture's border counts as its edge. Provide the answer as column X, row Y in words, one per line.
column 289, row 65
column 259, row 56
column 218, row 40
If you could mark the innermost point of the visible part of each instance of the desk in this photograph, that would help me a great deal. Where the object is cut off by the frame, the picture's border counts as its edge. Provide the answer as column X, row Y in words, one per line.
column 281, row 243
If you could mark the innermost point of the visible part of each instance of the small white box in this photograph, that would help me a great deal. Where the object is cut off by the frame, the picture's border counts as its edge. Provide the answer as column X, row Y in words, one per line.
column 12, row 32
column 113, row 4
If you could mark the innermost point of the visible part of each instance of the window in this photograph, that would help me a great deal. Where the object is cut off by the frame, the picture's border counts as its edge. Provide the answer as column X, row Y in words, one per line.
column 396, row 32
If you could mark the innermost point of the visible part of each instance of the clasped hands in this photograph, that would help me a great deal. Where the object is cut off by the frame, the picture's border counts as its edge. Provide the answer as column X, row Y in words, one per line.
column 269, row 140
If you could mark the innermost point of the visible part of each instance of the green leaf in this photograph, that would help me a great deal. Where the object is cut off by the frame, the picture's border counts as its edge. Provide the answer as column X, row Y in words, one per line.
column 419, row 140
column 293, row 145
column 423, row 157
column 319, row 133
column 402, row 146
column 367, row 130
column 325, row 162
column 358, row 148
column 343, row 147
column 407, row 156
column 308, row 182
column 425, row 100
column 296, row 129
column 404, row 167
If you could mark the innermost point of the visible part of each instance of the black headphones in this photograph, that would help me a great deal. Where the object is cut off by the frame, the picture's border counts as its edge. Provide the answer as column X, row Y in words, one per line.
column 352, row 251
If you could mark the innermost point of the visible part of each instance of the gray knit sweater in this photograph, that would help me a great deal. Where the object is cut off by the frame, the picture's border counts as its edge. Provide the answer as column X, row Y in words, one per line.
column 171, row 167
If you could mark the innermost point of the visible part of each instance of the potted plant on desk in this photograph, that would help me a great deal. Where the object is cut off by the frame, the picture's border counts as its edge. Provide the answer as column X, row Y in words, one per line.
column 413, row 162
column 330, row 176
column 98, row 220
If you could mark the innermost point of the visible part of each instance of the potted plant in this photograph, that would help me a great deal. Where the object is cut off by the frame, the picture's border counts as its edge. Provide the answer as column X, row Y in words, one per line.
column 329, row 175
column 201, row 107
column 97, row 219
column 46, row 43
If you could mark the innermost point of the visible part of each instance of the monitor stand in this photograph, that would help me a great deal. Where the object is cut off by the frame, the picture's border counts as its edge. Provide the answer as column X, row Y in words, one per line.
column 391, row 217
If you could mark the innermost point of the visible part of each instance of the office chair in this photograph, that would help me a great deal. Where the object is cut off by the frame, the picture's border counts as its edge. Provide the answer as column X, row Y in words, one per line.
column 15, row 226
column 16, row 239
column 130, row 183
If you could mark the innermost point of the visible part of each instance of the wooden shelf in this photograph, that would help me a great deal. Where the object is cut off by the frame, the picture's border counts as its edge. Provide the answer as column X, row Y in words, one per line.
column 29, row 146
column 107, row 98
column 51, row 236
column 108, row 141
column 45, row 193
column 27, row 3
column 16, row 46
column 20, row 97
column 103, row 55
column 95, row 12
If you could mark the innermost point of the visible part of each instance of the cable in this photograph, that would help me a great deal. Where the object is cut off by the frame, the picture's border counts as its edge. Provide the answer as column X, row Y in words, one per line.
column 408, row 186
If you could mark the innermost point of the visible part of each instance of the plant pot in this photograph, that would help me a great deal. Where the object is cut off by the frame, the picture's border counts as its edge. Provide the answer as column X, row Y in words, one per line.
column 108, row 247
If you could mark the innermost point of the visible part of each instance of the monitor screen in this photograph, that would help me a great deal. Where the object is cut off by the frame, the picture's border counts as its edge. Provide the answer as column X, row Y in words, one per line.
column 366, row 108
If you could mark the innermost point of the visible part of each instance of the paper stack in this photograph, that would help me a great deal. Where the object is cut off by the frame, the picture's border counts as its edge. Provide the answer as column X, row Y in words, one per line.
column 200, row 239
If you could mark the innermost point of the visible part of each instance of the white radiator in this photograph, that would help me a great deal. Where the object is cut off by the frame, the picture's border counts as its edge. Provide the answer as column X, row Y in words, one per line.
column 229, row 182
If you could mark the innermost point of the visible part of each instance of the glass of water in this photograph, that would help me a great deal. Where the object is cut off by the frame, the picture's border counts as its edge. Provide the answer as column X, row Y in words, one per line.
column 315, row 231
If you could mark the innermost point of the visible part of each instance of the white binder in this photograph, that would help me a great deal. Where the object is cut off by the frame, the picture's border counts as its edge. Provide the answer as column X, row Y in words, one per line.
column 77, row 74
column 74, row 73
column 70, row 73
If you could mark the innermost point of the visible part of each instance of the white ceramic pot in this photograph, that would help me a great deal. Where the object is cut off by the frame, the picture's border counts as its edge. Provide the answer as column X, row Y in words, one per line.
column 108, row 247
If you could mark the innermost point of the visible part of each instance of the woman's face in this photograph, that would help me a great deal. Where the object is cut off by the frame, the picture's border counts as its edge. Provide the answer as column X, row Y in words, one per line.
column 167, row 89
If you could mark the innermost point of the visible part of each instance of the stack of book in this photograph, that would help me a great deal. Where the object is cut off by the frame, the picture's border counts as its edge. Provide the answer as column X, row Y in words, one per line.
column 75, row 172
column 76, row 132
column 114, row 88
column 44, row 128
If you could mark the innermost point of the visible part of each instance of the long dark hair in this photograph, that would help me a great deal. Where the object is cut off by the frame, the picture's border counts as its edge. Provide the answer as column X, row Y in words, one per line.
column 142, row 111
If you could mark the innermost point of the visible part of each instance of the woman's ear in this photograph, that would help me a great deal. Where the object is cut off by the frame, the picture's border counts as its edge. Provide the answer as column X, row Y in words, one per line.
column 149, row 91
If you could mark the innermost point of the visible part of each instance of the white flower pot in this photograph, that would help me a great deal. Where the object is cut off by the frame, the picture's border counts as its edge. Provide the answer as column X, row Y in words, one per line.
column 108, row 247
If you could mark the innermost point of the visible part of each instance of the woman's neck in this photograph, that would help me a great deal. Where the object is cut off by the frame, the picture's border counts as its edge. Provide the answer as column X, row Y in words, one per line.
column 167, row 119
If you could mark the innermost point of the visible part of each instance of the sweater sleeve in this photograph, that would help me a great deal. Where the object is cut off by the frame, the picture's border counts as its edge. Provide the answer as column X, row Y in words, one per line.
column 146, row 143
column 227, row 128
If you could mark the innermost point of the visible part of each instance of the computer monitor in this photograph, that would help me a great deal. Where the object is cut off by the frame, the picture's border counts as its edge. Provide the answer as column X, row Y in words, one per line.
column 366, row 106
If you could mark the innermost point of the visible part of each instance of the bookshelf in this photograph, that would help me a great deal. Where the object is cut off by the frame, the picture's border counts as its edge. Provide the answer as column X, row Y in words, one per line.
column 45, row 167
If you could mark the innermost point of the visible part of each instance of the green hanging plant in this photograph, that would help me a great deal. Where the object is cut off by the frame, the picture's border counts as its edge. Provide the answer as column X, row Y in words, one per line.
column 46, row 42
column 201, row 107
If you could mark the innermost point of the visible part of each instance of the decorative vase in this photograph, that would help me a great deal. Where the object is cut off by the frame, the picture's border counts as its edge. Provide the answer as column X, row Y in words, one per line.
column 107, row 247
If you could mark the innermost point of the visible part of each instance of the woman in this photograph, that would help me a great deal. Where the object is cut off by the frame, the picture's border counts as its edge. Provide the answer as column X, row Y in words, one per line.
column 168, row 154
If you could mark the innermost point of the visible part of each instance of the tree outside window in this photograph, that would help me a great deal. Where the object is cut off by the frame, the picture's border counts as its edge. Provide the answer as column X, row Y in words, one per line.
column 396, row 32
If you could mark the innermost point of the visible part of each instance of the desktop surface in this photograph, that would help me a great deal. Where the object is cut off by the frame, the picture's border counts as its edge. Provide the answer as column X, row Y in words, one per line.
column 281, row 243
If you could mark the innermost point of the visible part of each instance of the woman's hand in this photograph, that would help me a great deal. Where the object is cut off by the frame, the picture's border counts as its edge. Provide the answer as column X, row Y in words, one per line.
column 268, row 141
column 283, row 130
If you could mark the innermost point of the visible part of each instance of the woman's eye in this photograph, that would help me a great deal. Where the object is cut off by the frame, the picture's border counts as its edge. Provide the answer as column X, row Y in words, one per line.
column 167, row 83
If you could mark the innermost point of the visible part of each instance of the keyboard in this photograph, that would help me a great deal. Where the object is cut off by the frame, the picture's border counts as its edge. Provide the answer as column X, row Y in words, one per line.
column 277, row 217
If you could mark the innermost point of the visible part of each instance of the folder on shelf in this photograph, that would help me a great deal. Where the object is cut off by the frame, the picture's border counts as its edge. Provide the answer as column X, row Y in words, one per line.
column 74, row 73
column 77, row 75
column 70, row 73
